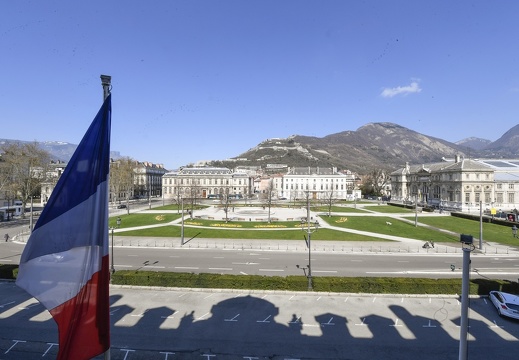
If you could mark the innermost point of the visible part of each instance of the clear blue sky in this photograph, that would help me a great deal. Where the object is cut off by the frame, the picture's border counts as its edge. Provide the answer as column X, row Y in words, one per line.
column 208, row 79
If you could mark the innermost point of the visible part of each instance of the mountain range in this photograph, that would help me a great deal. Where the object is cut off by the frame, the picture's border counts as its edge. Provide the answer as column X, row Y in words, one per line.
column 372, row 146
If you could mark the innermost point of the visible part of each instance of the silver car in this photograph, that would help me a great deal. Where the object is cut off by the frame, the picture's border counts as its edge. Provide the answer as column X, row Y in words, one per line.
column 505, row 303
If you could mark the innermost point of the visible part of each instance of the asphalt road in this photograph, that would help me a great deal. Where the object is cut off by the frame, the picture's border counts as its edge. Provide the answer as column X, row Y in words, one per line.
column 176, row 324
column 283, row 263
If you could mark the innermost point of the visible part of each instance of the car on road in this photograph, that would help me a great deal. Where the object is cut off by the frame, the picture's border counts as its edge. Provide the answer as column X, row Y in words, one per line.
column 505, row 303
column 122, row 206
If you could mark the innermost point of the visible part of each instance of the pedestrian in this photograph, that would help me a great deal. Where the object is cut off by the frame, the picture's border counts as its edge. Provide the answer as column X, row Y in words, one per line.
column 6, row 237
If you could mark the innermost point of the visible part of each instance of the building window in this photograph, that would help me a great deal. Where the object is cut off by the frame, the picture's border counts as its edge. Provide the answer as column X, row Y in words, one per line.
column 510, row 186
column 467, row 197
column 499, row 186
column 511, row 198
column 478, row 196
column 499, row 197
column 487, row 197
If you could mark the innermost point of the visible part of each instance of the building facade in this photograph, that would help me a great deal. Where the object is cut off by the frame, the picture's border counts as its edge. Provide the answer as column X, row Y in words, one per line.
column 319, row 183
column 205, row 182
column 459, row 184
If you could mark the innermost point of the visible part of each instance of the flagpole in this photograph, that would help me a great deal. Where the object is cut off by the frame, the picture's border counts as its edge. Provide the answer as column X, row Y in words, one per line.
column 107, row 86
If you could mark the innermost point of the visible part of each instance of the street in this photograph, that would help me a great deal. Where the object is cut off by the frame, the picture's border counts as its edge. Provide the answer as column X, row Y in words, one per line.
column 190, row 324
column 274, row 261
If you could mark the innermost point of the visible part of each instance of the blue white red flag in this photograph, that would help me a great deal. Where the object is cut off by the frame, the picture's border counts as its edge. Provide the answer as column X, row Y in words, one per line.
column 65, row 264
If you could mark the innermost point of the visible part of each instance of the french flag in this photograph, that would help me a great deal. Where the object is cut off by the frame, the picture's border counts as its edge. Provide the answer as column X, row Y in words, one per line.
column 65, row 264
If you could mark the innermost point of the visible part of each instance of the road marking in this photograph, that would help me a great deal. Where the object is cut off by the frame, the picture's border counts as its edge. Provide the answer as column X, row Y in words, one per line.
column 329, row 322
column 243, row 273
column 362, row 322
column 226, row 269
column 201, row 317
column 170, row 316
column 395, row 324
column 51, row 345
column 233, row 319
column 28, row 306
column 265, row 321
column 429, row 325
column 186, row 267
column 9, row 303
column 15, row 343
column 245, row 263
column 278, row 270
column 495, row 325
column 296, row 321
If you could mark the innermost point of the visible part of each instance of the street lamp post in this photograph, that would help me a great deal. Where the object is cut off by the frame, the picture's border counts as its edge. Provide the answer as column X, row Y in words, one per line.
column 112, row 229
column 182, row 227
column 309, row 228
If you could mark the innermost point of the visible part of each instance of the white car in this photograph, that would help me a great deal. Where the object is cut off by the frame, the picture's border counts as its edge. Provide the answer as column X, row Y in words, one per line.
column 506, row 304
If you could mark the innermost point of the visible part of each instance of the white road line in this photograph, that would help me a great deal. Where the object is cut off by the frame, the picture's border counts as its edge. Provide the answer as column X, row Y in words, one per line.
column 226, row 269
column 278, row 270
column 186, row 267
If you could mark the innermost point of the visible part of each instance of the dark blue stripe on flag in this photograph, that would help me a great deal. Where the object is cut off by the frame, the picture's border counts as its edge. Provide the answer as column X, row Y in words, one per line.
column 88, row 167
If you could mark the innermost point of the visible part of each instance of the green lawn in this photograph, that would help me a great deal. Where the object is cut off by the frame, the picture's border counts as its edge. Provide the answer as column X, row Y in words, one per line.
column 142, row 219
column 338, row 209
column 388, row 209
column 378, row 225
column 491, row 232
column 248, row 234
column 289, row 230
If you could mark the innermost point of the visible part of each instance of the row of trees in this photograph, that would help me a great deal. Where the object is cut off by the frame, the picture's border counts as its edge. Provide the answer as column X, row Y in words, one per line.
column 23, row 168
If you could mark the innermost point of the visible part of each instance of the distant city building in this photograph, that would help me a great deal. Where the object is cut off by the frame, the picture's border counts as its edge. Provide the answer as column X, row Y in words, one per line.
column 320, row 183
column 205, row 182
column 459, row 184
column 147, row 180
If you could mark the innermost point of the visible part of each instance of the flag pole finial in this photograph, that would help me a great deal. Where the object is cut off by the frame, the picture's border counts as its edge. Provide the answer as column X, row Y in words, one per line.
column 106, row 81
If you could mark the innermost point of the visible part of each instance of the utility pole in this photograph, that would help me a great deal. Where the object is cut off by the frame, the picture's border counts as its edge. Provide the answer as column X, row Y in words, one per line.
column 106, row 83
column 467, row 245
column 480, row 225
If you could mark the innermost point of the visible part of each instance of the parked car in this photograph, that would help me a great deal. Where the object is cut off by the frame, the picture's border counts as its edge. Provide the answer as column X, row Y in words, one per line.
column 505, row 303
column 122, row 206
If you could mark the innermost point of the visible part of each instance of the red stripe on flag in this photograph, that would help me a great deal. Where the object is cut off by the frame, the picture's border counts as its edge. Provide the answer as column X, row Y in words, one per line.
column 84, row 321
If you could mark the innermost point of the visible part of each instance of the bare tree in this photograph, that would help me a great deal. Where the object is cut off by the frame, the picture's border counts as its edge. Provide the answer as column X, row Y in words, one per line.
column 226, row 201
column 330, row 199
column 24, row 168
column 268, row 197
column 193, row 193
column 122, row 180
column 375, row 181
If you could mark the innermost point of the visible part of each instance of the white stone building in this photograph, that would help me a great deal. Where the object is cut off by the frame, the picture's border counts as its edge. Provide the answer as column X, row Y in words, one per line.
column 320, row 183
column 205, row 182
column 459, row 184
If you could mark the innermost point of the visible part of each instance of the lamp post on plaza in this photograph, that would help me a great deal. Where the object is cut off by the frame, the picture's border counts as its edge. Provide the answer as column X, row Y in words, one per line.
column 309, row 228
column 112, row 229
column 182, row 227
